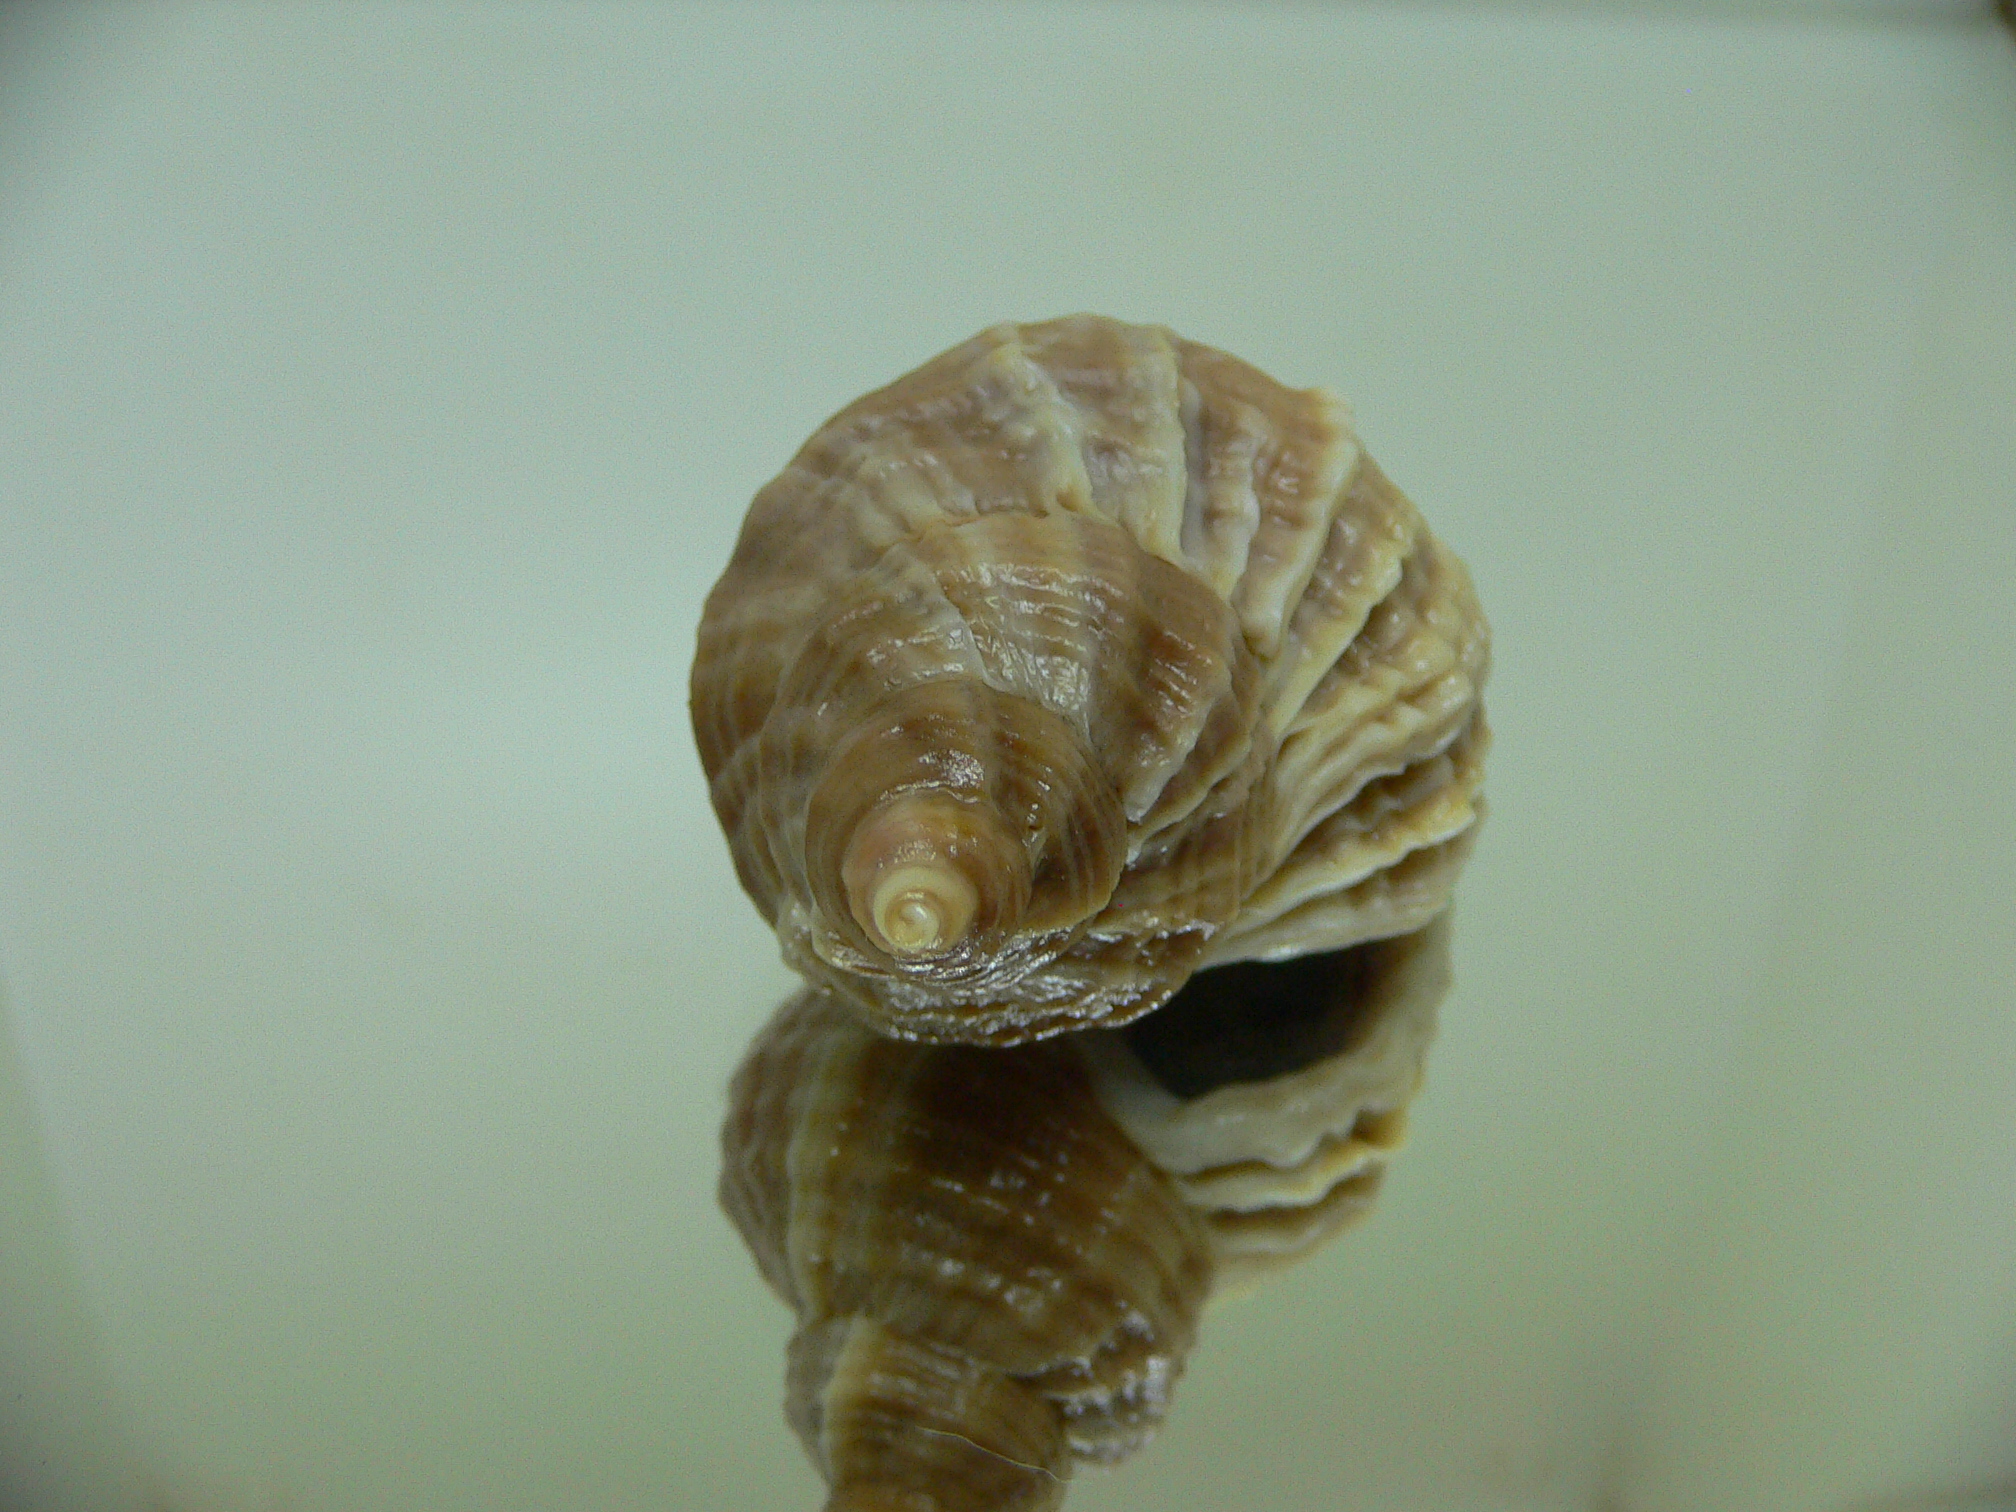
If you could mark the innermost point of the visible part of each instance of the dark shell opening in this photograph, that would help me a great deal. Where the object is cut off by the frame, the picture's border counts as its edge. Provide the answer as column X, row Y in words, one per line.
column 1252, row 1021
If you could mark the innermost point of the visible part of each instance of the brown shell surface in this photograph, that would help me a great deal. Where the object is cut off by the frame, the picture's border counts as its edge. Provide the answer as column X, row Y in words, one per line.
column 1131, row 654
column 990, row 1281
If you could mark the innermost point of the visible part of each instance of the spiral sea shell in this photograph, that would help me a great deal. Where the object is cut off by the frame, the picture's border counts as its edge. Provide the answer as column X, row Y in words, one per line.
column 997, row 1258
column 989, row 1279
column 1079, row 658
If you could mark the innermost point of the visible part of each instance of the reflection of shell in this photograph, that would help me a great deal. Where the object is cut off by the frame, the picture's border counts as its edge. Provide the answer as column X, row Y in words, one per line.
column 989, row 1279
column 1079, row 657
column 1276, row 1094
column 997, row 1256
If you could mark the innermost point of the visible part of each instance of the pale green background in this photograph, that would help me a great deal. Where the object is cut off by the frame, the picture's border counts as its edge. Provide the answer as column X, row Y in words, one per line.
column 380, row 390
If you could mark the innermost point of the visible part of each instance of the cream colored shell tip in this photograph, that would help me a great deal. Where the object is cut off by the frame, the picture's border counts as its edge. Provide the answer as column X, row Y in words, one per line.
column 1079, row 658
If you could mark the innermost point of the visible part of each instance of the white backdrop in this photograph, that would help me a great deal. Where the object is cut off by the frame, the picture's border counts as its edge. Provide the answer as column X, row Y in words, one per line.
column 380, row 391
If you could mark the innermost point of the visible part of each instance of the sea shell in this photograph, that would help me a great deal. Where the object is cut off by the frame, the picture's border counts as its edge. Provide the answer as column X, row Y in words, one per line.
column 997, row 1257
column 1078, row 658
column 990, row 1281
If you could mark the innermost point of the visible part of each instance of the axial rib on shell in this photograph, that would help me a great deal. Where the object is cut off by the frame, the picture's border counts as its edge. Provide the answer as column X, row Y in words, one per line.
column 1077, row 658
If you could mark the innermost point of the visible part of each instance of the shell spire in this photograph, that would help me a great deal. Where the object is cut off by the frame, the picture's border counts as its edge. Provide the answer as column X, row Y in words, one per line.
column 1074, row 660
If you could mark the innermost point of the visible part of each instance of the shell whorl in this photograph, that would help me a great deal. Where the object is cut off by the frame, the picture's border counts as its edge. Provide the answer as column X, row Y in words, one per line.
column 1077, row 658
column 990, row 1282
